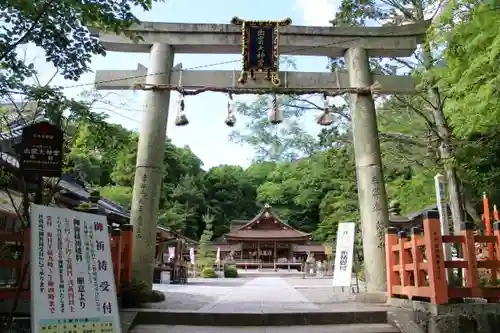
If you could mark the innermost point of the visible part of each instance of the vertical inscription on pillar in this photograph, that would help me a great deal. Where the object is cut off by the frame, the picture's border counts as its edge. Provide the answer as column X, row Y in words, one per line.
column 143, row 200
column 377, row 209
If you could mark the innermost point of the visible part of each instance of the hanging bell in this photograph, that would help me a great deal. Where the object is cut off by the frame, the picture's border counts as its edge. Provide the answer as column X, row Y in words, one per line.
column 327, row 118
column 275, row 115
column 231, row 118
column 181, row 119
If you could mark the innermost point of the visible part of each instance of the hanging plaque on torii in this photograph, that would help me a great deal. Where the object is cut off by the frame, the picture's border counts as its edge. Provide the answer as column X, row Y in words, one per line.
column 260, row 49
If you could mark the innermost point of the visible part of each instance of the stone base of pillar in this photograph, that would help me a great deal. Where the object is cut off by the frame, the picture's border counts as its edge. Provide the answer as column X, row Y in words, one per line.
column 372, row 298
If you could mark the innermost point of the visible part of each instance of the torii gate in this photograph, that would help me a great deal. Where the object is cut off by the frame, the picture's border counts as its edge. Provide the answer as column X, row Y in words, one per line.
column 356, row 44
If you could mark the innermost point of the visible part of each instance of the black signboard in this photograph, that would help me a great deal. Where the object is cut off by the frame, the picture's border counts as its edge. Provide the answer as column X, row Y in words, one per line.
column 41, row 150
column 261, row 47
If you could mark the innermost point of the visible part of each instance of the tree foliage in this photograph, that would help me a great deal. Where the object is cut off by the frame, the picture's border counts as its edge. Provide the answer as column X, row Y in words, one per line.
column 471, row 54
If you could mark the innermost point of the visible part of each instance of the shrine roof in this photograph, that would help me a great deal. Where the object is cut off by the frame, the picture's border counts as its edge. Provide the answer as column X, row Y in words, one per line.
column 268, row 234
column 165, row 234
column 282, row 230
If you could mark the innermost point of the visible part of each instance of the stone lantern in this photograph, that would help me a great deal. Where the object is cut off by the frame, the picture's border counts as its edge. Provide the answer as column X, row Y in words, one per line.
column 396, row 220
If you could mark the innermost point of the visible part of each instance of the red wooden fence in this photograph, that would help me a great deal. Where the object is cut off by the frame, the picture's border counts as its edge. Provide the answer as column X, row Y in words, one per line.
column 416, row 267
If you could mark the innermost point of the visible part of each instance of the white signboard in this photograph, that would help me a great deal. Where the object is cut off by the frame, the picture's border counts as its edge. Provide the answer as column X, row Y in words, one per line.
column 72, row 281
column 342, row 271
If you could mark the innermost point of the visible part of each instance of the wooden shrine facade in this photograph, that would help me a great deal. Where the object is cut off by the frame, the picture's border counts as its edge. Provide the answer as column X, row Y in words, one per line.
column 267, row 241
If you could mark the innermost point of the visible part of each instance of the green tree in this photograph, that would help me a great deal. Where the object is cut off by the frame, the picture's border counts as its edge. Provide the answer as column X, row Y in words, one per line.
column 468, row 31
column 230, row 195
column 119, row 194
column 62, row 30
column 204, row 254
column 95, row 149
column 123, row 171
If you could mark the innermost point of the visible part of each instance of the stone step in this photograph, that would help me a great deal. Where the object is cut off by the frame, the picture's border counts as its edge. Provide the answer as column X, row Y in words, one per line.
column 353, row 328
column 297, row 318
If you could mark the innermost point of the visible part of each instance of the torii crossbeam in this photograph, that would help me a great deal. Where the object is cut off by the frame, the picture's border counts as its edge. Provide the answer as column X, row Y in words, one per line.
column 196, row 79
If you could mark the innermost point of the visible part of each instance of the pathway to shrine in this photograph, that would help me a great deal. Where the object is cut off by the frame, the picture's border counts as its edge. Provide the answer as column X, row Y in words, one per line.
column 258, row 295
column 254, row 295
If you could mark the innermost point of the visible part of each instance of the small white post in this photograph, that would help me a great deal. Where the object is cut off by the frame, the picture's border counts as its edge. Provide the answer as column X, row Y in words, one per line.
column 442, row 206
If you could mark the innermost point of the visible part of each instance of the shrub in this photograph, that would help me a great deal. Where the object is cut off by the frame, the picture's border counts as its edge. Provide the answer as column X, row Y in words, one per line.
column 230, row 271
column 208, row 273
column 138, row 292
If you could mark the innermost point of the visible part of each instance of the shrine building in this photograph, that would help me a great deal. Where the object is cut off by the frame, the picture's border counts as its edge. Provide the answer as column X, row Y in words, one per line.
column 267, row 242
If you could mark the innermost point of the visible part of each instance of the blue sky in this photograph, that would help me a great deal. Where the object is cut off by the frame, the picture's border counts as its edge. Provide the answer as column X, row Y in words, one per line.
column 207, row 135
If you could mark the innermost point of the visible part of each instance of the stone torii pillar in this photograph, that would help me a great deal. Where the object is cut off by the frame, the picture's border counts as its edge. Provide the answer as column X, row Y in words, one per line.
column 372, row 196
column 149, row 165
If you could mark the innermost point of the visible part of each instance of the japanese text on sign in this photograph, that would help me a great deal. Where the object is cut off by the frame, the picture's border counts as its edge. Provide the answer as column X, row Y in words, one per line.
column 261, row 48
column 344, row 255
column 73, row 273
column 342, row 270
column 41, row 149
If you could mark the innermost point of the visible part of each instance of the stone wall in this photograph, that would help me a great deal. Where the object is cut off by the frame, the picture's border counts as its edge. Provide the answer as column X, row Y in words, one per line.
column 421, row 317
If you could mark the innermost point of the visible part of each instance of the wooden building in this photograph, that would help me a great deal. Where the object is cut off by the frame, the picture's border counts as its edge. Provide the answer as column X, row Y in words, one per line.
column 267, row 241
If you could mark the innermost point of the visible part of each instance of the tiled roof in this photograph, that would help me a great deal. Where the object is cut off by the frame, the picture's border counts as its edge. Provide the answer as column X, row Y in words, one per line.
column 7, row 158
column 268, row 234
column 426, row 209
column 13, row 133
column 16, row 128
column 283, row 230
column 107, row 205
column 171, row 233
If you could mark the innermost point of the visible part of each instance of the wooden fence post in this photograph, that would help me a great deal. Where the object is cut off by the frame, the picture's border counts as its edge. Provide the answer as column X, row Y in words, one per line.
column 435, row 258
column 390, row 259
column 127, row 239
column 117, row 257
column 469, row 249
column 403, row 260
column 26, row 260
column 496, row 232
column 418, row 274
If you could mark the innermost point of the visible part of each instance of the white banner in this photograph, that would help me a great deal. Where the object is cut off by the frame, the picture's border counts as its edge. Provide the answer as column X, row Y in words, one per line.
column 171, row 253
column 192, row 256
column 72, row 280
column 342, row 271
column 217, row 256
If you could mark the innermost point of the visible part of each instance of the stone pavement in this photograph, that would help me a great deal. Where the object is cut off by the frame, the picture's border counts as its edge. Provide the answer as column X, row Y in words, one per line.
column 364, row 328
column 262, row 294
column 259, row 294
column 291, row 299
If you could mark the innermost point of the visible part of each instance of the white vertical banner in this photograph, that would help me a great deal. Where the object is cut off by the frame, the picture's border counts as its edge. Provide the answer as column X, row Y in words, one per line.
column 171, row 253
column 442, row 205
column 72, row 280
column 344, row 251
column 217, row 257
column 192, row 257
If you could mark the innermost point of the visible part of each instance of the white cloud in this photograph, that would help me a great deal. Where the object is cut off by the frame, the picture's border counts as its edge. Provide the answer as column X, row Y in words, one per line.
column 318, row 12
